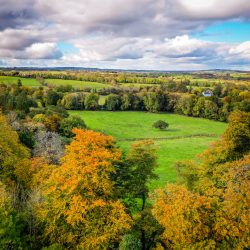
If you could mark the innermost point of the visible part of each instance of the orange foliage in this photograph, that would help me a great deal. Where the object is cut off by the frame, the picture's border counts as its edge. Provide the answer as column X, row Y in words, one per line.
column 233, row 216
column 183, row 215
column 78, row 209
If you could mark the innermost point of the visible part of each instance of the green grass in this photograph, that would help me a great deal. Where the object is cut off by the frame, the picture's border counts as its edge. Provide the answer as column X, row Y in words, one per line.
column 30, row 82
column 76, row 84
column 138, row 85
column 185, row 137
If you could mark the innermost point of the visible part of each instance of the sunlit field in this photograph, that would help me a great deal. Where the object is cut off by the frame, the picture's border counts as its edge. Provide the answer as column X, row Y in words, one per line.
column 185, row 137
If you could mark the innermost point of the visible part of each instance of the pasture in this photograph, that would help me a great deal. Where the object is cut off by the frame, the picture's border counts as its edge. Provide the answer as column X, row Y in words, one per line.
column 185, row 137
column 32, row 82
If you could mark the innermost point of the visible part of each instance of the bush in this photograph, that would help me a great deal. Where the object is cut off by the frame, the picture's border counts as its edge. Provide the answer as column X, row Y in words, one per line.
column 160, row 125
column 69, row 123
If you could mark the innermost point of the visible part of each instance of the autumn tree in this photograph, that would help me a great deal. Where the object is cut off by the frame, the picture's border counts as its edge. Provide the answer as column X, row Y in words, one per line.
column 184, row 216
column 13, row 155
column 232, row 195
column 234, row 143
column 79, row 208
column 216, row 197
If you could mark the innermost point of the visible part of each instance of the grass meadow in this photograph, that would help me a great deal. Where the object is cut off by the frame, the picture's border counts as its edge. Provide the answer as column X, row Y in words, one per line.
column 185, row 138
column 32, row 82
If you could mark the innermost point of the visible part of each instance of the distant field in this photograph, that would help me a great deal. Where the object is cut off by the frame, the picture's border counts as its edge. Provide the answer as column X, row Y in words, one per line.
column 76, row 84
column 185, row 137
column 137, row 85
column 30, row 82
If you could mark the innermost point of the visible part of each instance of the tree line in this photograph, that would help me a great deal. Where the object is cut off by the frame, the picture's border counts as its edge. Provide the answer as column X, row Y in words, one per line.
column 191, row 102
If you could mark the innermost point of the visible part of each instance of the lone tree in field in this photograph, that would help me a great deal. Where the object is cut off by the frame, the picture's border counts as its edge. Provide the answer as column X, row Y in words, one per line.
column 160, row 125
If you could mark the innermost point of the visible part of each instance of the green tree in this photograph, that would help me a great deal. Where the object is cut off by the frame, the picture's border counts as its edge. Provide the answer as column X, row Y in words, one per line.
column 73, row 101
column 151, row 102
column 112, row 102
column 91, row 101
column 160, row 124
column 142, row 161
column 210, row 110
column 69, row 123
column 52, row 97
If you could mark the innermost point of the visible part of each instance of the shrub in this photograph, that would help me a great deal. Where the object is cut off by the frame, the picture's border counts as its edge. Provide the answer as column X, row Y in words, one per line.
column 160, row 125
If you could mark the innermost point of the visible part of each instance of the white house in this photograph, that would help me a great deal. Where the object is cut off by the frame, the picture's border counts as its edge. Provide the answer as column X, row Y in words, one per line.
column 207, row 93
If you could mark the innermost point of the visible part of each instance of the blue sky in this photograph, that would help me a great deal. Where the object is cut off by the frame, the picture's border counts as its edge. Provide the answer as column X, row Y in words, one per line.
column 227, row 31
column 126, row 34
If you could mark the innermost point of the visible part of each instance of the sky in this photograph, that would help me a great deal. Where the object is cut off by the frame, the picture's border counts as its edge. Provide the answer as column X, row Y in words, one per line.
column 126, row 34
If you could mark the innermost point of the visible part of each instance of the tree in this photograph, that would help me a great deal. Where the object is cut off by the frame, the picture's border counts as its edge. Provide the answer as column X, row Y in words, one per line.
column 23, row 102
column 12, row 226
column 142, row 161
column 130, row 242
column 69, row 123
column 233, row 144
column 52, row 97
column 185, row 104
column 78, row 209
column 151, row 102
column 49, row 146
column 160, row 125
column 73, row 101
column 112, row 102
column 13, row 155
column 52, row 122
column 126, row 102
column 198, row 109
column 210, row 110
column 19, row 83
column 91, row 101
column 184, row 216
column 232, row 223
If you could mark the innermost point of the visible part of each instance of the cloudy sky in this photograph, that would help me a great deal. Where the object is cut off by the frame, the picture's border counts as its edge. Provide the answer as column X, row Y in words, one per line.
column 126, row 34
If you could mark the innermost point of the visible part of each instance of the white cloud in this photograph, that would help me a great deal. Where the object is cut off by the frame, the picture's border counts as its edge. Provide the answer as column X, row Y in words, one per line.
column 116, row 33
column 43, row 50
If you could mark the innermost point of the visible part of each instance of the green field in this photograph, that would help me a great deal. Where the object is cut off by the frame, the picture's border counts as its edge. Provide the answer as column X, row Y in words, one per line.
column 30, row 82
column 185, row 137
column 76, row 84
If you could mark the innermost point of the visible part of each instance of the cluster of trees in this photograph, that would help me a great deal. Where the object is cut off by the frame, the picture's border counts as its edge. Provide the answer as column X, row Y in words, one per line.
column 34, row 115
column 225, row 99
column 159, row 100
column 90, row 195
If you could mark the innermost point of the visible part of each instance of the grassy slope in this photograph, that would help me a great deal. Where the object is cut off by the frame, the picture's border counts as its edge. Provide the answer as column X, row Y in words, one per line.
column 76, row 84
column 127, row 127
column 30, row 82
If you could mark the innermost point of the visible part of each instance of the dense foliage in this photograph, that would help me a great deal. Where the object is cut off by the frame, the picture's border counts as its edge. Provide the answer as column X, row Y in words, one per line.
column 63, row 186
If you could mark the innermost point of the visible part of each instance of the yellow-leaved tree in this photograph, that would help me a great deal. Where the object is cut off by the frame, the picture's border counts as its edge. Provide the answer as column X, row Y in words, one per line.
column 184, row 216
column 78, row 208
column 14, row 157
